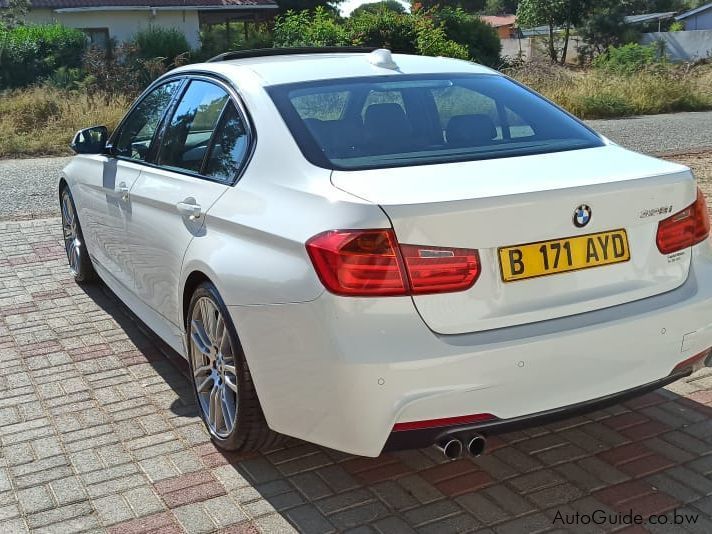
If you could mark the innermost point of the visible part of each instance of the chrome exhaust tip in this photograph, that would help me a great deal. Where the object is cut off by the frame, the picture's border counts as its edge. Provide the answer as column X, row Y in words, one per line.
column 451, row 448
column 476, row 445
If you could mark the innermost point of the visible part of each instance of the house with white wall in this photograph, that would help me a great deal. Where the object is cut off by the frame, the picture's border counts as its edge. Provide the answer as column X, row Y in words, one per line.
column 120, row 20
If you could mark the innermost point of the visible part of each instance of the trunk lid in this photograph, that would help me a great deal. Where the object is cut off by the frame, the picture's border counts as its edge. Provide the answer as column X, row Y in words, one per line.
column 490, row 204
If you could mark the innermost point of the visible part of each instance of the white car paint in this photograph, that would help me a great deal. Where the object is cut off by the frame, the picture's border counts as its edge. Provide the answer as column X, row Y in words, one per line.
column 341, row 371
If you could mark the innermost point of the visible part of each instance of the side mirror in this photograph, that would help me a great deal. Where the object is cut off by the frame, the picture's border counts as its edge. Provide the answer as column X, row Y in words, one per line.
column 90, row 140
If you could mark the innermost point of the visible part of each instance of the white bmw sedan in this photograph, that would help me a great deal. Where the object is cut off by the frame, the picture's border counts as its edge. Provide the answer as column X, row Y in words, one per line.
column 372, row 251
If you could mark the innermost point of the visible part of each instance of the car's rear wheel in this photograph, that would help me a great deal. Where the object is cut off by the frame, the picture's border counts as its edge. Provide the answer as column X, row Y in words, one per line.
column 79, row 262
column 223, row 386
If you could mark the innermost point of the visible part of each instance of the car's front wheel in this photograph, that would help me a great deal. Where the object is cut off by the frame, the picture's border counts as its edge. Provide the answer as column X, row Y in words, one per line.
column 223, row 386
column 79, row 262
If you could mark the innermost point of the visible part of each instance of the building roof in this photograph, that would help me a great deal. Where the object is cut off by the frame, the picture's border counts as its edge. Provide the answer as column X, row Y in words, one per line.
column 123, row 4
column 499, row 20
column 648, row 17
column 695, row 11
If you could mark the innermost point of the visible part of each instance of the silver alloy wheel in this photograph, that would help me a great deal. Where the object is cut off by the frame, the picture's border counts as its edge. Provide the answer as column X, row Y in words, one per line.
column 72, row 242
column 214, row 368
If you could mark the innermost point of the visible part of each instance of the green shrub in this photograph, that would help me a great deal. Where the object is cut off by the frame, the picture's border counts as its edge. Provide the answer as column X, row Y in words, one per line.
column 627, row 59
column 481, row 39
column 158, row 42
column 30, row 53
column 309, row 29
column 400, row 32
column 387, row 29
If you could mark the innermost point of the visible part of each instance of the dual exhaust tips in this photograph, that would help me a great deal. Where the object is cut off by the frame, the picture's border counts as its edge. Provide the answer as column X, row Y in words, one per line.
column 453, row 448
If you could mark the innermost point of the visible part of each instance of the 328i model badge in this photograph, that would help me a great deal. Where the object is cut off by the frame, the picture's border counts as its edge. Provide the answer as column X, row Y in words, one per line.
column 582, row 215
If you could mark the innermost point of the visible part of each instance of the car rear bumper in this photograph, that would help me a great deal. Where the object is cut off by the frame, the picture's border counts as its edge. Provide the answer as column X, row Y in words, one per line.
column 341, row 372
column 413, row 439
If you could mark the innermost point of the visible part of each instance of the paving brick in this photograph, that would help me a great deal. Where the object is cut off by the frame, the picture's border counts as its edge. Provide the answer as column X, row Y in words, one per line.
column 622, row 493
column 432, row 512
column 59, row 515
column 308, row 519
column 68, row 490
column 508, row 500
column 457, row 523
column 394, row 495
column 555, row 496
column 143, row 501
column 162, row 522
column 531, row 524
column 536, row 481
column 459, row 485
column 358, row 515
column 36, row 499
column 482, row 508
column 113, row 509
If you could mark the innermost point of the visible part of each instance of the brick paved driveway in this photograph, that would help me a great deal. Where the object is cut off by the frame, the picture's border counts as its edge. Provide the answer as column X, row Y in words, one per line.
column 99, row 432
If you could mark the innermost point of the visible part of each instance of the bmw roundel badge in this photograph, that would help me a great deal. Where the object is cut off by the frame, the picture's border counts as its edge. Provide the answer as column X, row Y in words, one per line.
column 582, row 216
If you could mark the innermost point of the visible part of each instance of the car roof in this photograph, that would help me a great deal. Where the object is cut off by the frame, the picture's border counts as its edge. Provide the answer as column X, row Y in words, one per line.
column 282, row 69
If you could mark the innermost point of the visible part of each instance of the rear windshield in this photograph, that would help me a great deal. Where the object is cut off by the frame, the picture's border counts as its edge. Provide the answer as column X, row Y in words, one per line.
column 401, row 120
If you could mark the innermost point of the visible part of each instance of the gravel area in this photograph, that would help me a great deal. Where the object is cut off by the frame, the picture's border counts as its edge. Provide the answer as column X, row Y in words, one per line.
column 29, row 187
column 660, row 133
column 29, row 184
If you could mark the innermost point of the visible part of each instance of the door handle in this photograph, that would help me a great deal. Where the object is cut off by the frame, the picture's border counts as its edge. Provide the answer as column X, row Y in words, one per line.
column 123, row 191
column 189, row 208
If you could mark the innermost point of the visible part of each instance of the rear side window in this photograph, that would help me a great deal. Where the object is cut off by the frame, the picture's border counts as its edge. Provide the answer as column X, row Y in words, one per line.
column 229, row 148
column 187, row 137
column 134, row 138
column 388, row 121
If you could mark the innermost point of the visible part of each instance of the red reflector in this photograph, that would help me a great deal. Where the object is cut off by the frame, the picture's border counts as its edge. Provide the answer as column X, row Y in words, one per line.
column 440, row 270
column 448, row 421
column 372, row 263
column 685, row 228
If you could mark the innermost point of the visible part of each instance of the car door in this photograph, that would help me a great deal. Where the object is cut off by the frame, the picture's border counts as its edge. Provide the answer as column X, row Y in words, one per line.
column 169, row 200
column 105, row 191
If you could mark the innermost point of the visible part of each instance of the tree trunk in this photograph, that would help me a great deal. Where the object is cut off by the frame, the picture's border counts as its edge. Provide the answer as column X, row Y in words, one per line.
column 552, row 49
column 566, row 42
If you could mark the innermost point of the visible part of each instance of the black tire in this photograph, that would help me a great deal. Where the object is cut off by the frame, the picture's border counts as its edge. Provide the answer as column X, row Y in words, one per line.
column 250, row 431
column 77, row 254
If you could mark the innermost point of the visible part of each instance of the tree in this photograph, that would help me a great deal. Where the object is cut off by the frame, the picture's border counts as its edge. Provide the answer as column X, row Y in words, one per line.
column 471, row 6
column 311, row 5
column 481, row 39
column 373, row 7
column 500, row 7
column 12, row 14
column 603, row 28
column 553, row 14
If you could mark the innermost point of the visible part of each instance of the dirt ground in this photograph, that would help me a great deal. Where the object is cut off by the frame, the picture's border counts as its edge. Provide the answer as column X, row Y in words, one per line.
column 700, row 163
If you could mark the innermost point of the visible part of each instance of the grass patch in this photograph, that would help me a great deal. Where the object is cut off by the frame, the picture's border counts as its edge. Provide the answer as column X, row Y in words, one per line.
column 41, row 121
column 596, row 94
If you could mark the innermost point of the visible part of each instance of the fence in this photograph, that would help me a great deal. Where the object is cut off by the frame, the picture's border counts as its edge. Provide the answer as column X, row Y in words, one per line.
column 683, row 46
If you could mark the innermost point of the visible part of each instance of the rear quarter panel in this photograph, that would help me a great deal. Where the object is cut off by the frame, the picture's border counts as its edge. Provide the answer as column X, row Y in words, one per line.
column 253, row 247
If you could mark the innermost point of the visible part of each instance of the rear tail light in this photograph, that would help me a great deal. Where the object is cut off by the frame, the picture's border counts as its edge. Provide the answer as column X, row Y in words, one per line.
column 372, row 263
column 685, row 228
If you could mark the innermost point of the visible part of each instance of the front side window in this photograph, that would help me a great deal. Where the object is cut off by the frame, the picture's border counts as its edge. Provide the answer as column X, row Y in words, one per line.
column 188, row 135
column 134, row 138
column 229, row 148
column 388, row 121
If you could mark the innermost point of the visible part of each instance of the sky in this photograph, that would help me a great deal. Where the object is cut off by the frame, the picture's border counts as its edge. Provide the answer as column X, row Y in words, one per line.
column 348, row 6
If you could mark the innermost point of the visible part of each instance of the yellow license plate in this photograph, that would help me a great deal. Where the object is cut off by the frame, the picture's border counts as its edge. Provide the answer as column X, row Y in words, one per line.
column 543, row 258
